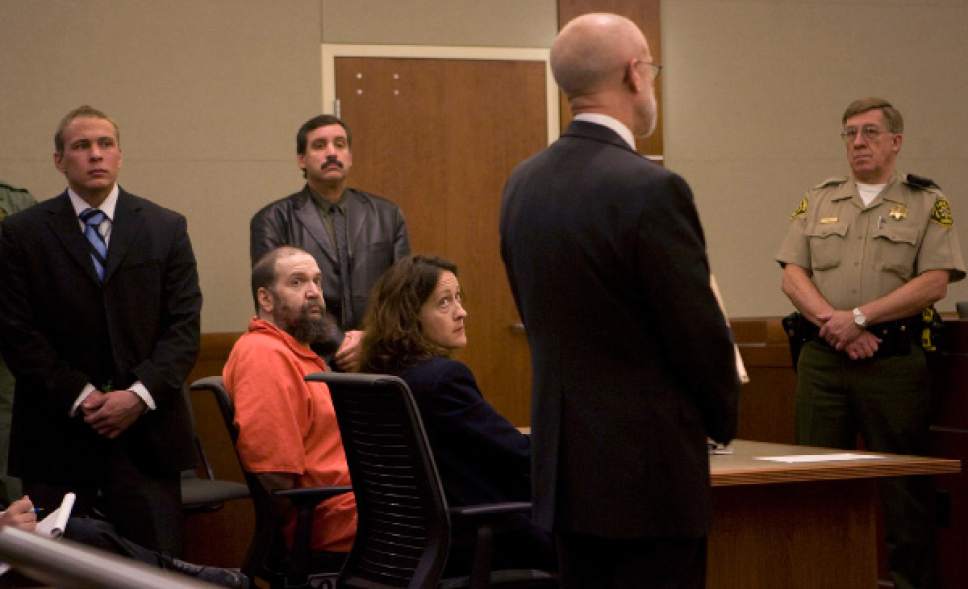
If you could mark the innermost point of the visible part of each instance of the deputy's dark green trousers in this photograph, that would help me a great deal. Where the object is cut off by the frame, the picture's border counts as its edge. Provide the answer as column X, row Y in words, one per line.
column 888, row 402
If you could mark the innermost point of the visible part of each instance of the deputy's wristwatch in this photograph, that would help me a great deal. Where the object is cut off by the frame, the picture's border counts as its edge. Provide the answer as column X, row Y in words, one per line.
column 859, row 318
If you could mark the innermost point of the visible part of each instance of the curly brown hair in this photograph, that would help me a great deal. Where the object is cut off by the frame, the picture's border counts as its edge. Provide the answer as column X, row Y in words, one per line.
column 394, row 340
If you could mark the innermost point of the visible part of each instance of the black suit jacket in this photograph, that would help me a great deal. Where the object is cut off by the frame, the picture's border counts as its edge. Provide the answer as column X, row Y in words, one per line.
column 61, row 329
column 377, row 239
column 632, row 359
column 481, row 457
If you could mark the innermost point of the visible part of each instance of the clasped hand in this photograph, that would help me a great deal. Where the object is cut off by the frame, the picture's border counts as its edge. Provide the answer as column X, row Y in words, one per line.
column 350, row 354
column 111, row 413
column 839, row 330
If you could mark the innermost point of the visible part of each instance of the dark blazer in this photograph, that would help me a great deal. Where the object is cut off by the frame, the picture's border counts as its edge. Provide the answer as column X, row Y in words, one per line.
column 481, row 457
column 378, row 238
column 632, row 359
column 61, row 329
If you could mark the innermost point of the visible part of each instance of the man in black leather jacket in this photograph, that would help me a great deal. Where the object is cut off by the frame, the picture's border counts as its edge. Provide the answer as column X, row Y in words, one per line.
column 354, row 236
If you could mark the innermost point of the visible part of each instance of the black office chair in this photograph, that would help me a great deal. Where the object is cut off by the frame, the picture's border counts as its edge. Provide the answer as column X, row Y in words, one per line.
column 205, row 493
column 404, row 523
column 268, row 557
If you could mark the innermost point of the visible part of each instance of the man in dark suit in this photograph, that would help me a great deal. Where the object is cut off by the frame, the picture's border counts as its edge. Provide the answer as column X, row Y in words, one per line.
column 632, row 359
column 354, row 235
column 100, row 327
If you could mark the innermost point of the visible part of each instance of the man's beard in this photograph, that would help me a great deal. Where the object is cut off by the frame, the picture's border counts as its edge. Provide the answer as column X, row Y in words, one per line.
column 303, row 326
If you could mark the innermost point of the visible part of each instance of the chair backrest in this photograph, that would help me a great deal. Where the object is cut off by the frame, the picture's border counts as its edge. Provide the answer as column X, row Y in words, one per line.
column 202, row 459
column 403, row 529
column 267, row 547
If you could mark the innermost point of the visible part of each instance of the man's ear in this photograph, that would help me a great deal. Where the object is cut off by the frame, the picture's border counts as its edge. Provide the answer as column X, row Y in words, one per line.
column 266, row 303
column 58, row 161
column 632, row 76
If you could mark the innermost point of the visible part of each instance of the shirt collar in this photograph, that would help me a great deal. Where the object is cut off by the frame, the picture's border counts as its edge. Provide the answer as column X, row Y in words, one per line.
column 107, row 206
column 889, row 192
column 324, row 204
column 612, row 123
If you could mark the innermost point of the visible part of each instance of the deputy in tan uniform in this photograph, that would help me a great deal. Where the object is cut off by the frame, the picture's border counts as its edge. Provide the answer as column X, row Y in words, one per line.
column 863, row 257
column 12, row 199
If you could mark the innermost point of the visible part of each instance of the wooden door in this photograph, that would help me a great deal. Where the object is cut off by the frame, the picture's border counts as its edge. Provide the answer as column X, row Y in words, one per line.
column 440, row 137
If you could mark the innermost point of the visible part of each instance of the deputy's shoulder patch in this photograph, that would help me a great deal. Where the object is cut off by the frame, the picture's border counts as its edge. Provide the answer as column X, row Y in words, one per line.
column 835, row 181
column 941, row 213
column 920, row 182
column 801, row 209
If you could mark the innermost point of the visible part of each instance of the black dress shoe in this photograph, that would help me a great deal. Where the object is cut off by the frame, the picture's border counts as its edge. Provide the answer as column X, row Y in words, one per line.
column 233, row 578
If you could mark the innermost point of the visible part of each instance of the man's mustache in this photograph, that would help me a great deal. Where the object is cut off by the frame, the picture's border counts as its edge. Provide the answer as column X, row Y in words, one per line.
column 332, row 160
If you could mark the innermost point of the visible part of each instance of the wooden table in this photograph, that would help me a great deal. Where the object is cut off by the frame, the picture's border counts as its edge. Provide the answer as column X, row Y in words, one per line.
column 799, row 525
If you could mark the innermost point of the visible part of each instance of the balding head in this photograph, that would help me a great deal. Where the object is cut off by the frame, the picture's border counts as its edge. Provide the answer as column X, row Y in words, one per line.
column 592, row 51
column 601, row 62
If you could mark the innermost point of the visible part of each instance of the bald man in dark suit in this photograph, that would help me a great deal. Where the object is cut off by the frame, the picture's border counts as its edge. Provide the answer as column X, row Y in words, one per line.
column 632, row 360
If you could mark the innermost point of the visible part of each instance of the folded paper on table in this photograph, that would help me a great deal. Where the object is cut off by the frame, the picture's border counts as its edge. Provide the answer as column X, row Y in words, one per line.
column 819, row 457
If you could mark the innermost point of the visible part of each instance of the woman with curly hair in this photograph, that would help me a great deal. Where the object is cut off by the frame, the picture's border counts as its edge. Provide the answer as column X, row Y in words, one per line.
column 414, row 321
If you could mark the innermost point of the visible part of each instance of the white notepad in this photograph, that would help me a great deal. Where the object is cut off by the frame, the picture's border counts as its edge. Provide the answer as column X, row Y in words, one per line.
column 56, row 521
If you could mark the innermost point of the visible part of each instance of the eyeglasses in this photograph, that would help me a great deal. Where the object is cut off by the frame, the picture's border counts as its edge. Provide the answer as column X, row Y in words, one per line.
column 655, row 68
column 869, row 132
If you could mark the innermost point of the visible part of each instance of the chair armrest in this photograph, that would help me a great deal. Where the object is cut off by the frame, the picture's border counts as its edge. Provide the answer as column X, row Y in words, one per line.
column 305, row 502
column 490, row 510
column 311, row 495
column 486, row 518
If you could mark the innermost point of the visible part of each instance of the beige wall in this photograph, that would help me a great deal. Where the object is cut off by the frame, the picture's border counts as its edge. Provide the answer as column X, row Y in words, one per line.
column 754, row 91
column 486, row 23
column 209, row 94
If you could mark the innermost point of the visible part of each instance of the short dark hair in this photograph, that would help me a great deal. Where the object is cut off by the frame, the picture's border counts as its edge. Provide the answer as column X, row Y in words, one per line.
column 315, row 123
column 81, row 111
column 893, row 118
column 393, row 340
column 264, row 270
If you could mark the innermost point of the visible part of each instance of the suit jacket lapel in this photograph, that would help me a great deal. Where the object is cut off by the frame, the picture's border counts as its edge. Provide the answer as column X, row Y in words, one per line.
column 307, row 214
column 125, row 227
column 65, row 225
column 356, row 215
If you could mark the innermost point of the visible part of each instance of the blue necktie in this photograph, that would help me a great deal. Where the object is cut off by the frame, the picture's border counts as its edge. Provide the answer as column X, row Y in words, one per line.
column 92, row 219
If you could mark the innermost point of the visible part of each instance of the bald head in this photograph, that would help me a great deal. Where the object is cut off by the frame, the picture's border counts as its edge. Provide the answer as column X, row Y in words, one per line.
column 592, row 51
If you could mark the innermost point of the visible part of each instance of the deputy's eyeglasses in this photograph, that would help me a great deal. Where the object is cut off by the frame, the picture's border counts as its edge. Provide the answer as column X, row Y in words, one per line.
column 868, row 132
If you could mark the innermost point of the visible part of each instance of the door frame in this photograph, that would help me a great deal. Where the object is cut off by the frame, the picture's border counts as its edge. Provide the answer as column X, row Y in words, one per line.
column 331, row 51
